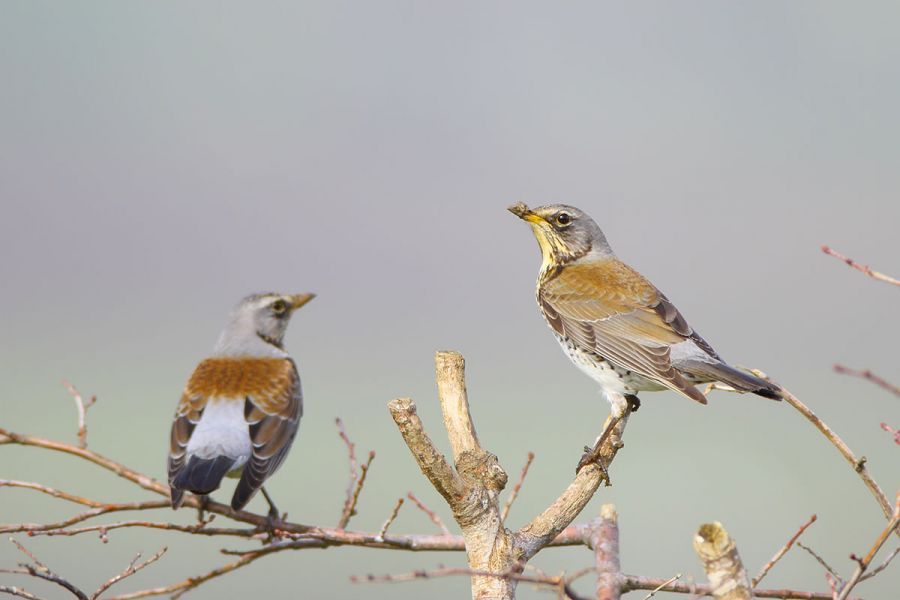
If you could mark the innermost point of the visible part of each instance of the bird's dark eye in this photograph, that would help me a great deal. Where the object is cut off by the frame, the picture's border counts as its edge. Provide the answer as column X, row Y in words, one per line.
column 563, row 219
column 279, row 307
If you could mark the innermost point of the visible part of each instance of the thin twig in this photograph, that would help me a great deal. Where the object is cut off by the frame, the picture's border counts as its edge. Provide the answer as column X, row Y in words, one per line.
column 197, row 529
column 863, row 268
column 82, row 408
column 631, row 582
column 431, row 514
column 350, row 507
column 42, row 571
column 870, row 376
column 515, row 491
column 821, row 561
column 858, row 464
column 635, row 582
column 882, row 566
column 863, row 563
column 351, row 483
column 390, row 518
column 451, row 571
column 13, row 590
column 179, row 588
column 662, row 585
column 893, row 432
column 782, row 551
column 130, row 570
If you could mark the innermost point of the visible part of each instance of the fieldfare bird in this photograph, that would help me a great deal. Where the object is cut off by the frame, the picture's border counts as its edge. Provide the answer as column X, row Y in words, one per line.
column 241, row 408
column 613, row 323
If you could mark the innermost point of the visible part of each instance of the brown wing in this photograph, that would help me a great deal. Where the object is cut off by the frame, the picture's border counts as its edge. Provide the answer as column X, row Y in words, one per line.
column 273, row 418
column 611, row 309
column 273, row 405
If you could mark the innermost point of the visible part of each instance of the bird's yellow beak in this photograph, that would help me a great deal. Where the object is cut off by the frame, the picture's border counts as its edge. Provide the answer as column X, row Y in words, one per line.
column 521, row 210
column 298, row 300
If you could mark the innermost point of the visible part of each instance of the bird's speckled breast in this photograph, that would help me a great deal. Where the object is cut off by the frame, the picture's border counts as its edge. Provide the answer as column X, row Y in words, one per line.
column 610, row 377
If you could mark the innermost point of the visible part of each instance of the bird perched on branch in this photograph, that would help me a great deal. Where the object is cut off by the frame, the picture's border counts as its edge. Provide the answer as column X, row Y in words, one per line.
column 613, row 323
column 241, row 408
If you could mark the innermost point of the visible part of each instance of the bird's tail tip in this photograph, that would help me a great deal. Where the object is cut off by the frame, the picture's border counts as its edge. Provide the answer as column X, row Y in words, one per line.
column 200, row 476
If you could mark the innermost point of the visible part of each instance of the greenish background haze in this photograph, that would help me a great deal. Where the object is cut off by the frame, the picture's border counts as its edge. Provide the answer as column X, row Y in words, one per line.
column 158, row 161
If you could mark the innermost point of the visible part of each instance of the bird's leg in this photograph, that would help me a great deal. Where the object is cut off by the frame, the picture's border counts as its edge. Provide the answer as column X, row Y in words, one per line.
column 201, row 507
column 622, row 406
column 273, row 518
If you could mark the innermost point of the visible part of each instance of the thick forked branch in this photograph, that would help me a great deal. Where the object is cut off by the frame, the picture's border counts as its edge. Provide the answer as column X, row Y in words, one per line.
column 471, row 489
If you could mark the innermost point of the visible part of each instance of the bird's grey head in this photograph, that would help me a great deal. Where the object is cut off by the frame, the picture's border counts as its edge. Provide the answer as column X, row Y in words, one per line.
column 258, row 324
column 563, row 232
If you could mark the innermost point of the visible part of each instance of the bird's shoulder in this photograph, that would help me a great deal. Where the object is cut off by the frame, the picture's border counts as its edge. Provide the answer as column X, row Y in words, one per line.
column 270, row 383
column 607, row 280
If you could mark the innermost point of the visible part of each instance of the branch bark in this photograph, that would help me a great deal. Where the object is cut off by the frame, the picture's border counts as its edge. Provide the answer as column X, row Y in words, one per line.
column 471, row 488
column 604, row 541
column 723, row 566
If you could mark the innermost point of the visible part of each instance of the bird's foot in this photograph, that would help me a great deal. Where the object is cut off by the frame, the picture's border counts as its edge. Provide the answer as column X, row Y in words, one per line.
column 273, row 518
column 592, row 456
column 634, row 403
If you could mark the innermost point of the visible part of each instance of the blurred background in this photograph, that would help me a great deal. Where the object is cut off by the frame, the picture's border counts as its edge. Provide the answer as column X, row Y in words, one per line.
column 159, row 161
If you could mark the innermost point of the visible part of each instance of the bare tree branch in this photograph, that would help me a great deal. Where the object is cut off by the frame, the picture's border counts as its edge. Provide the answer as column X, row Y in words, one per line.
column 858, row 464
column 431, row 514
column 472, row 488
column 603, row 538
column 516, row 488
column 394, row 512
column 863, row 563
column 863, row 268
column 782, row 551
column 130, row 570
column 82, row 407
column 869, row 375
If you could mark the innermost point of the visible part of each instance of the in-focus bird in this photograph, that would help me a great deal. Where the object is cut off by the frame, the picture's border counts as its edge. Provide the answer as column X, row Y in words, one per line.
column 615, row 325
column 241, row 407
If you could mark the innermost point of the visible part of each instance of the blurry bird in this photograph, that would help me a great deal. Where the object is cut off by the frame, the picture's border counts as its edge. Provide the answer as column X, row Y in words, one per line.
column 613, row 323
column 241, row 408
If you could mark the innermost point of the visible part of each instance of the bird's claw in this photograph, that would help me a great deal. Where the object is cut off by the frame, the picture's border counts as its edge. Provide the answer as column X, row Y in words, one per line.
column 591, row 456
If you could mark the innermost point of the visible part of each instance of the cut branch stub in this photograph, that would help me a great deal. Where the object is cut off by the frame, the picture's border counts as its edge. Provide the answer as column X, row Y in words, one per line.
column 603, row 538
column 723, row 566
column 450, row 373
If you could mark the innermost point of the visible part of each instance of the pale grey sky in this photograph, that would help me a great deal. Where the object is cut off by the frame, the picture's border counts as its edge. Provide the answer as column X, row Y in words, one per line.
column 158, row 161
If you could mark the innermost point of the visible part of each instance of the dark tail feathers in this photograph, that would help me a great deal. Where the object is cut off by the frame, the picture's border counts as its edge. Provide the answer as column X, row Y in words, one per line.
column 739, row 380
column 200, row 476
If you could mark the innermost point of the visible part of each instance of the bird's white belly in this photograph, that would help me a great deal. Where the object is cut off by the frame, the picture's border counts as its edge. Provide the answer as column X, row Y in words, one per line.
column 600, row 371
column 610, row 379
column 222, row 431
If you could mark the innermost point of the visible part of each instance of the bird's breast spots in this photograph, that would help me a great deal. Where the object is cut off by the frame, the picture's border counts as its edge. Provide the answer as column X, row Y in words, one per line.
column 239, row 377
